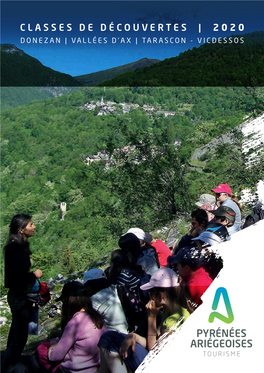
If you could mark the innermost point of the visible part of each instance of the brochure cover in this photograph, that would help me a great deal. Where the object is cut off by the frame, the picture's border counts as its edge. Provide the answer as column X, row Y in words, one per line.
column 84, row 37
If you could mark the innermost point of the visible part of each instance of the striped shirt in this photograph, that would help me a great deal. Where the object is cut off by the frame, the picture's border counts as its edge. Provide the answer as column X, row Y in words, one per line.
column 128, row 278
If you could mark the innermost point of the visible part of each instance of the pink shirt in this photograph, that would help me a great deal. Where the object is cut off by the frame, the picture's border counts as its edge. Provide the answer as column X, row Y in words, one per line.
column 77, row 346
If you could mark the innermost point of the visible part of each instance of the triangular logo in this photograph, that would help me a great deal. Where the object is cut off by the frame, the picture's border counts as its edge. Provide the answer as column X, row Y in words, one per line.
column 230, row 315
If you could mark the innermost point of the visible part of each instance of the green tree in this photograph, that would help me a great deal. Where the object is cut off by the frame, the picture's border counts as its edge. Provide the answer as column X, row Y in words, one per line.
column 171, row 133
column 150, row 180
column 67, row 261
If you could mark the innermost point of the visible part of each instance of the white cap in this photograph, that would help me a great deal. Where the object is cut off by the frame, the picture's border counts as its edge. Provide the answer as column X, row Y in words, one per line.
column 138, row 232
column 208, row 237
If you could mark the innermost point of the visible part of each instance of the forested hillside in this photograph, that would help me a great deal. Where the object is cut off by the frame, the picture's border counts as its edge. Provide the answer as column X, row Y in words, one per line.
column 12, row 97
column 212, row 64
column 45, row 143
column 15, row 96
column 18, row 69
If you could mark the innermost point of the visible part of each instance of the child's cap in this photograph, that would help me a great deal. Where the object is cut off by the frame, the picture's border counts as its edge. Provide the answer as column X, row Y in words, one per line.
column 162, row 278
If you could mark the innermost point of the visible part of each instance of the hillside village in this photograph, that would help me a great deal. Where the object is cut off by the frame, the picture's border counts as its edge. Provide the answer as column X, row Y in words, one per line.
column 111, row 107
column 107, row 158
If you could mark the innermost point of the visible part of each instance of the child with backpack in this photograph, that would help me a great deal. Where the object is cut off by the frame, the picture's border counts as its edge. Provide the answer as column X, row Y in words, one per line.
column 128, row 277
column 121, row 353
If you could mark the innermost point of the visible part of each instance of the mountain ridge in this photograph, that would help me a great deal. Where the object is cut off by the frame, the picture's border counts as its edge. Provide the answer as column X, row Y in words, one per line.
column 18, row 69
column 238, row 62
column 98, row 77
column 234, row 65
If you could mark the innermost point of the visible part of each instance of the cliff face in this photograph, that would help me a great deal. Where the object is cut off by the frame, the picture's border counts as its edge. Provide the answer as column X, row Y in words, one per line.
column 227, row 138
column 250, row 145
column 253, row 138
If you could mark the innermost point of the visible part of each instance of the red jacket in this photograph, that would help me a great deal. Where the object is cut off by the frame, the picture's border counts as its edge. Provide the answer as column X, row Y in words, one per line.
column 197, row 283
column 162, row 250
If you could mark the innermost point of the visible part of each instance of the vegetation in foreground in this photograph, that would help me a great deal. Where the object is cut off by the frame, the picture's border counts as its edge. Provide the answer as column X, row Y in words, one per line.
column 45, row 143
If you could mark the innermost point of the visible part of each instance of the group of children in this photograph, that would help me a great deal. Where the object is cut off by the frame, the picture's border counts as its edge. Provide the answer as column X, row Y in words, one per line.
column 113, row 318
